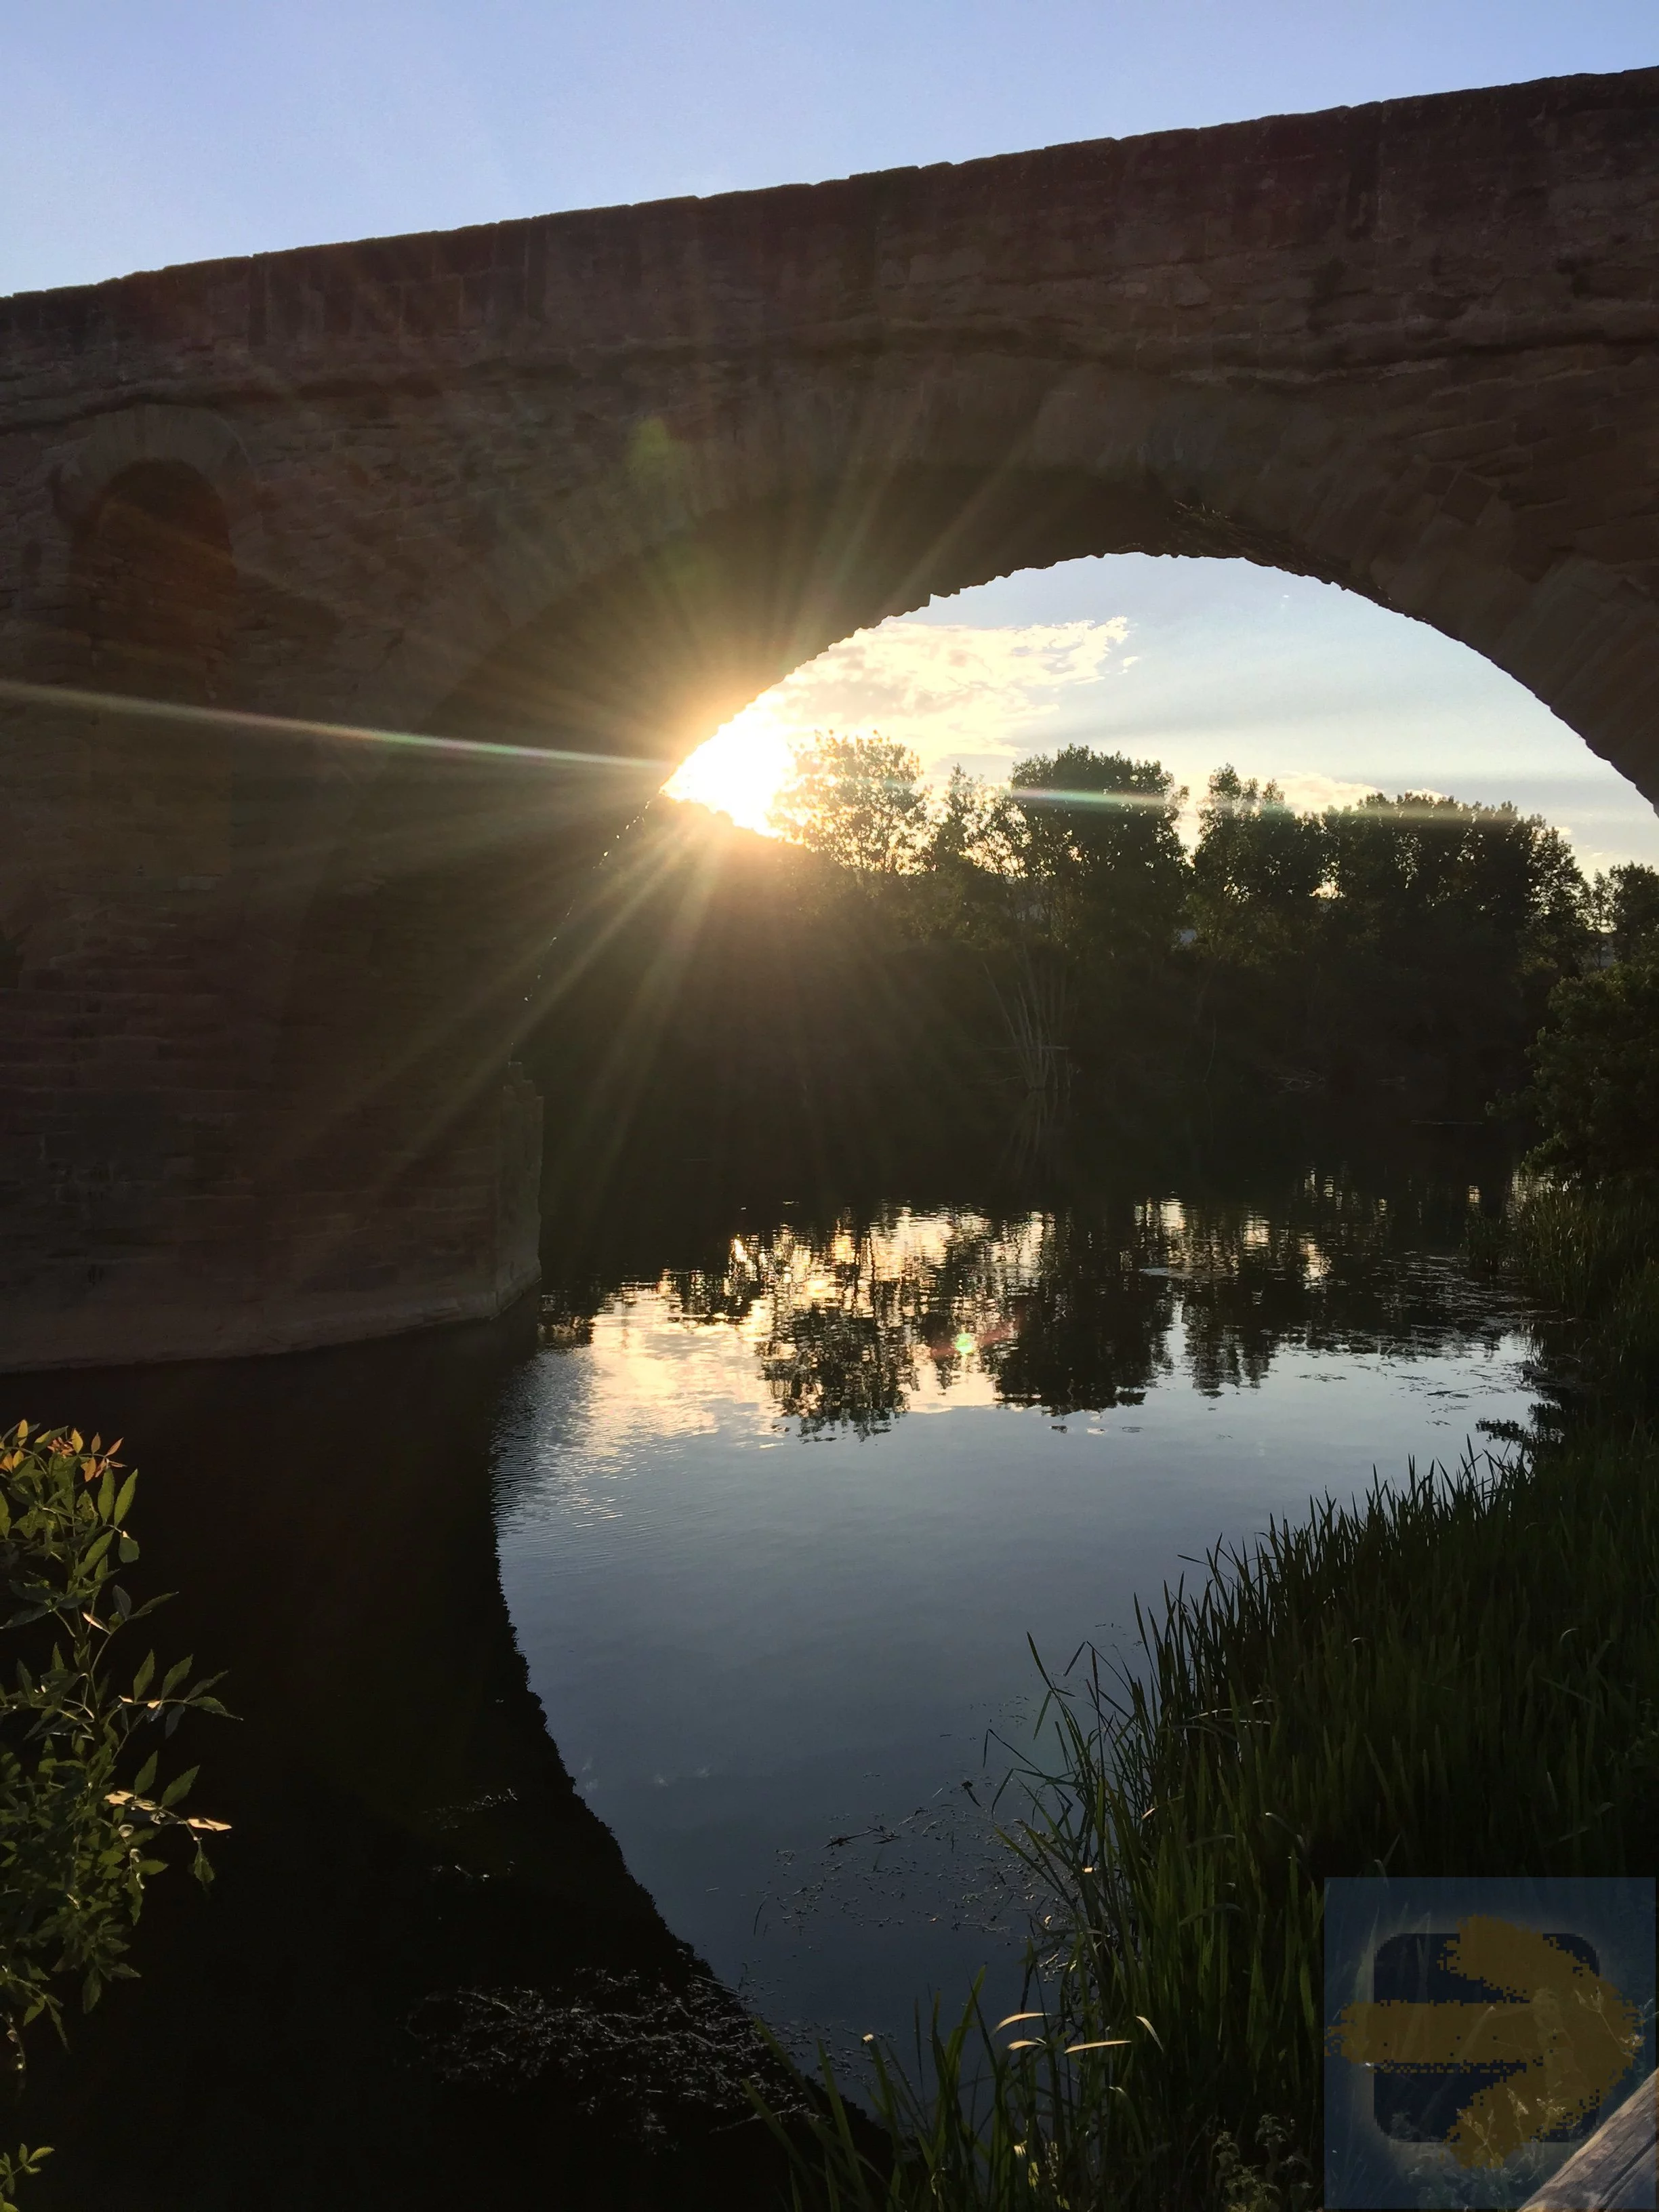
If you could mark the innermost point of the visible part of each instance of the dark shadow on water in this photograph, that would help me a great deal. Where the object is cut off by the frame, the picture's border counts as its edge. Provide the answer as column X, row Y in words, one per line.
column 403, row 1828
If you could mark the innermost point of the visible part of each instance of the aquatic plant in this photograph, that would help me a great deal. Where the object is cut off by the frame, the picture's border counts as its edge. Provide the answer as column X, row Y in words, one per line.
column 1577, row 1249
column 1586, row 1252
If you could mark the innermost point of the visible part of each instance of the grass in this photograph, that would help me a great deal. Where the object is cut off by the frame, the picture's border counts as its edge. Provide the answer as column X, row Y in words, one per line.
column 1578, row 1250
column 1586, row 1255
column 1458, row 1676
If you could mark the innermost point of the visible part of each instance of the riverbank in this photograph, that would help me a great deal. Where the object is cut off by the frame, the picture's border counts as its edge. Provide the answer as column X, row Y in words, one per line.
column 1459, row 1676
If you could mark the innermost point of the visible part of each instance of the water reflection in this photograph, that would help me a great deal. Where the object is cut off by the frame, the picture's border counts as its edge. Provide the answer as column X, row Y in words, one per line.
column 852, row 1322
column 774, row 1666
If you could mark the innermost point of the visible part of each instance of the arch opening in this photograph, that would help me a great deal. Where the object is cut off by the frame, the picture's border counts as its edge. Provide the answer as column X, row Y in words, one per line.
column 1194, row 662
column 155, row 608
column 157, row 586
column 694, row 965
column 749, row 567
column 703, row 602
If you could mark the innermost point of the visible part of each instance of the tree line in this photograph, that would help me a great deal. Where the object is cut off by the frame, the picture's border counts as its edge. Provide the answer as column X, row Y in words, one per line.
column 1410, row 941
column 904, row 959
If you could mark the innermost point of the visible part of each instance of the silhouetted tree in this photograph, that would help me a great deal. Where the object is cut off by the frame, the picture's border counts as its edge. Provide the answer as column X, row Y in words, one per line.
column 1625, row 903
column 858, row 802
column 1595, row 1074
column 1257, row 870
column 1093, row 837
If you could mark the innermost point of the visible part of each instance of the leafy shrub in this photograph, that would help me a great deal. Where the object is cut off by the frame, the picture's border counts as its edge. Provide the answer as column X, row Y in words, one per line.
column 83, row 1814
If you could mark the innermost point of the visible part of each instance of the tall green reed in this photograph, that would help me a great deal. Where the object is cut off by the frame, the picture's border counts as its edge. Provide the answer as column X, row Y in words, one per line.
column 1591, row 1257
column 1459, row 1676
column 1577, row 1249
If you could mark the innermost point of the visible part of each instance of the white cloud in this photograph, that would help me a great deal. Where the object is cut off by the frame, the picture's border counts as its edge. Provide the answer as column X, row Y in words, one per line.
column 1312, row 794
column 947, row 690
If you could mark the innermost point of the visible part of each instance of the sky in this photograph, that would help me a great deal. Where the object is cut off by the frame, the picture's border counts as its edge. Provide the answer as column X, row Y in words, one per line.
column 1195, row 664
column 144, row 132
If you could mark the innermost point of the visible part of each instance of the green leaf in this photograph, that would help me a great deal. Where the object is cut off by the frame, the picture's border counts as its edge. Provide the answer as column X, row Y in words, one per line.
column 77, row 1850
column 124, row 1503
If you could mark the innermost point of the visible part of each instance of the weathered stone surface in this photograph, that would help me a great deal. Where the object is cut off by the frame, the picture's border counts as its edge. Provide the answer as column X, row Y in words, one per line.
column 593, row 479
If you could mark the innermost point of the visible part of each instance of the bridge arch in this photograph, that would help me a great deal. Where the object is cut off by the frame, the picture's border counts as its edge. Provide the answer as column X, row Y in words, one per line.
column 591, row 481
column 756, row 552
column 147, row 433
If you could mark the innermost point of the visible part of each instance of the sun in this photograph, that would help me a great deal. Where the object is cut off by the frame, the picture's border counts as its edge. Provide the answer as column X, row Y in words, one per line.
column 947, row 690
column 740, row 770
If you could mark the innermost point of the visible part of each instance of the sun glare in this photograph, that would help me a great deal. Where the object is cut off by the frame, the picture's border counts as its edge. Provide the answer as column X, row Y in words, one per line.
column 948, row 690
column 740, row 769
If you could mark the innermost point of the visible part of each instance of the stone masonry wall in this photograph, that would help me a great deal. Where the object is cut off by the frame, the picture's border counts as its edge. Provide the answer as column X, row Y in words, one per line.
column 589, row 481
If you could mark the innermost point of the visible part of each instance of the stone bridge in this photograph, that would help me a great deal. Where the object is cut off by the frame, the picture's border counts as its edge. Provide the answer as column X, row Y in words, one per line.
column 580, row 486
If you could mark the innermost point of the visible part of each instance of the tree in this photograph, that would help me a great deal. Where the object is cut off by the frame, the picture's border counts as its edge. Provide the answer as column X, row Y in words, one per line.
column 1399, row 862
column 1595, row 1073
column 1624, row 902
column 1094, row 835
column 966, row 893
column 856, row 801
column 1257, row 868
column 968, row 829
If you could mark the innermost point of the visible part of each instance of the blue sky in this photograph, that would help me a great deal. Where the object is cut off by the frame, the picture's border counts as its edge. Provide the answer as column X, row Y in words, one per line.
column 141, row 132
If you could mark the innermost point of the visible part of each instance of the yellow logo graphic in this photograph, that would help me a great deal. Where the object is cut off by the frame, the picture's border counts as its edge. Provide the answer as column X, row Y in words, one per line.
column 1562, row 2034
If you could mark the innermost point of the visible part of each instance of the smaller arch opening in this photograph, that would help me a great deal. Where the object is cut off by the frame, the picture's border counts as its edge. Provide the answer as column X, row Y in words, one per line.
column 158, row 585
column 155, row 605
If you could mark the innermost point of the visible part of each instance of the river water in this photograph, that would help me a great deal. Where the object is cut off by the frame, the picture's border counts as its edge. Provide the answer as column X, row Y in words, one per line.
column 747, row 1548
column 780, row 1520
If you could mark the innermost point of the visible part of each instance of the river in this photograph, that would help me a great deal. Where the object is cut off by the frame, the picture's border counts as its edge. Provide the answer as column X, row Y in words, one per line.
column 778, row 1529
column 688, row 1618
